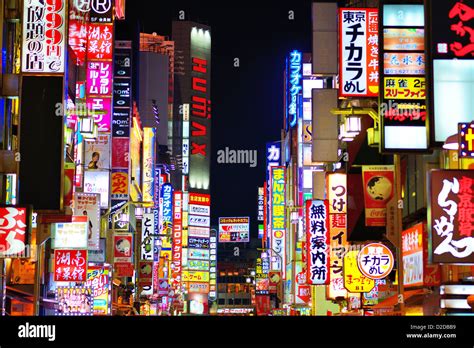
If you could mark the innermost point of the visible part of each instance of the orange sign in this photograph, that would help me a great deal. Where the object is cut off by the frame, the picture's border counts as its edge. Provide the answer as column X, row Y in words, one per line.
column 119, row 184
column 404, row 39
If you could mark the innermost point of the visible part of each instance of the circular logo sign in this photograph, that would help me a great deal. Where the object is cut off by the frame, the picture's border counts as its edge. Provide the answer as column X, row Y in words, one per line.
column 375, row 261
column 278, row 234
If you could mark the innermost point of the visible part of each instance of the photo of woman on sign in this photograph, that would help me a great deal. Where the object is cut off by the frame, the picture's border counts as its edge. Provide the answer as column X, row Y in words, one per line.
column 93, row 162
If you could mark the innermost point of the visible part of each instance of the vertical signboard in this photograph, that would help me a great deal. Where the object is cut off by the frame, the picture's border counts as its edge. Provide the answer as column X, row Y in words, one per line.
column 273, row 159
column 317, row 242
column 337, row 199
column 177, row 239
column 402, row 107
column 87, row 204
column 261, row 206
column 99, row 74
column 147, row 240
column 278, row 218
column 200, row 118
column 412, row 250
column 378, row 186
column 202, row 243
column 359, row 52
column 213, row 266
column 294, row 70
column 149, row 137
column 450, row 216
column 98, row 279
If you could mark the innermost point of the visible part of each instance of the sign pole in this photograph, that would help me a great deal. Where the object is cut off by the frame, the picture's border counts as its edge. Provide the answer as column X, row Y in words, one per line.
column 398, row 227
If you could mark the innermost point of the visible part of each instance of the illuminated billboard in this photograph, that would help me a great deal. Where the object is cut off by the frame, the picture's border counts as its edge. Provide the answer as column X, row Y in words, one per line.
column 378, row 184
column 234, row 229
column 293, row 86
column 317, row 242
column 148, row 172
column 69, row 235
column 70, row 265
column 278, row 218
column 177, row 249
column 200, row 110
column 412, row 250
column 450, row 218
column 88, row 204
column 402, row 108
column 15, row 226
column 451, row 74
column 358, row 35
column 96, row 181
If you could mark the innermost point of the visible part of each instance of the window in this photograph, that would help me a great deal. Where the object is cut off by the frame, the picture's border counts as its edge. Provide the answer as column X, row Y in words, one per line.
column 222, row 288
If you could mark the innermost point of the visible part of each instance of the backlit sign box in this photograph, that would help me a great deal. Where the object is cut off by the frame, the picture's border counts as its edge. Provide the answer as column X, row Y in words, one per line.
column 358, row 42
column 402, row 108
column 451, row 216
column 451, row 77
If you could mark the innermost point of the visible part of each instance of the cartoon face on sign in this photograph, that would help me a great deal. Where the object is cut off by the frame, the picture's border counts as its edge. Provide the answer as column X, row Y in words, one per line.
column 123, row 247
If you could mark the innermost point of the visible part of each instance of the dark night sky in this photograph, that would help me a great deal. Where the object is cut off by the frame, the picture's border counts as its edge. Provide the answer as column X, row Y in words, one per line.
column 247, row 103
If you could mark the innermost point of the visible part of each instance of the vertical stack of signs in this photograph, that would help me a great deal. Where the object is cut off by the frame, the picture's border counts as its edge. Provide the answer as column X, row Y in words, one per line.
column 213, row 268
column 262, row 281
column 121, row 128
column 278, row 218
column 317, row 242
column 200, row 259
column 120, row 183
column 177, row 251
column 403, row 102
column 99, row 78
column 273, row 159
column 69, row 241
column 337, row 196
column 166, row 230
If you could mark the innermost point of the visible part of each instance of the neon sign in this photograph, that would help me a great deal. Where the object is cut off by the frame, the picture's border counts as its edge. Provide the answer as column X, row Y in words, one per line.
column 294, row 85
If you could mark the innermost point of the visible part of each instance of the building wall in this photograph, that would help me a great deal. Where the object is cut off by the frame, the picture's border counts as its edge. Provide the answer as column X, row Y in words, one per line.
column 154, row 75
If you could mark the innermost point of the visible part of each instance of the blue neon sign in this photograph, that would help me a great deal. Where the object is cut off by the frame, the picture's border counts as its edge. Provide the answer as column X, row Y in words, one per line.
column 294, row 77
